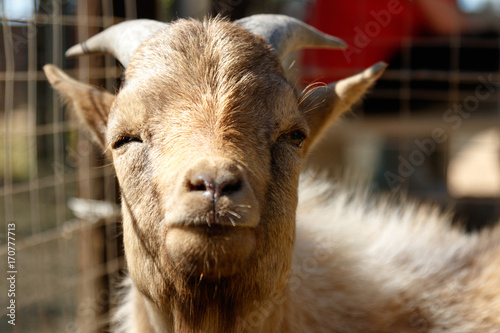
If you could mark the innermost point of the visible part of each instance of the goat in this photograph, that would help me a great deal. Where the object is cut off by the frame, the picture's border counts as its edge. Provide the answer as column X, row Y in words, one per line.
column 207, row 138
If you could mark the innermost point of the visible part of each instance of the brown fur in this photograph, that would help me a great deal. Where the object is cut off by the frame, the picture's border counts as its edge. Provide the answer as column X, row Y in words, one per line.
column 210, row 98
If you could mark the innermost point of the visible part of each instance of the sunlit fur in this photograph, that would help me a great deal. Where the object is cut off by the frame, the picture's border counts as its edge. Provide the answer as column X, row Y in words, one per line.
column 211, row 97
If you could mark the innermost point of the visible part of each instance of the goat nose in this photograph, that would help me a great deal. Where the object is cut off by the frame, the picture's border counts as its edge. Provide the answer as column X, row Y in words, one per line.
column 215, row 184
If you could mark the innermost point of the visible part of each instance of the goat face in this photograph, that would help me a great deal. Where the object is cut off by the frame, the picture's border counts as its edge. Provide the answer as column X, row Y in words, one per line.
column 207, row 138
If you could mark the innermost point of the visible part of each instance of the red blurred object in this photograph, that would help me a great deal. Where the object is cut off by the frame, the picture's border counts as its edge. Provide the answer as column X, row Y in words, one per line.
column 374, row 30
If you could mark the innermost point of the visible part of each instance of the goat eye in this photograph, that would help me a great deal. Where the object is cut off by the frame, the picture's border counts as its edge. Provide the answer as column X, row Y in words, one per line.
column 123, row 140
column 296, row 137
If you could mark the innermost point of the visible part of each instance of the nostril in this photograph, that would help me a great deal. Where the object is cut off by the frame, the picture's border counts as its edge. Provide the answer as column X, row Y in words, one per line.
column 217, row 188
column 230, row 187
column 200, row 183
column 215, row 181
column 199, row 187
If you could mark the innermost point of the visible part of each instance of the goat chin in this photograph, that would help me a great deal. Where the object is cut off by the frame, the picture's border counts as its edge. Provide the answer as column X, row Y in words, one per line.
column 210, row 252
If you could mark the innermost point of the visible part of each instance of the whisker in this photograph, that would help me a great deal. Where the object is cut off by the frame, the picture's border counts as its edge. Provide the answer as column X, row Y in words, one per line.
column 309, row 90
column 313, row 107
column 207, row 218
column 234, row 214
column 245, row 206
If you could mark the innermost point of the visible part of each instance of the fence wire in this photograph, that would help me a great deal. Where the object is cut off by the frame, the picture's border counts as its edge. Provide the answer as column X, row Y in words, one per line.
column 64, row 267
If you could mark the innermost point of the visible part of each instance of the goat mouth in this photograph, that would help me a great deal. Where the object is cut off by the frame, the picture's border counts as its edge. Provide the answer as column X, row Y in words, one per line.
column 213, row 219
column 212, row 230
column 210, row 226
column 210, row 252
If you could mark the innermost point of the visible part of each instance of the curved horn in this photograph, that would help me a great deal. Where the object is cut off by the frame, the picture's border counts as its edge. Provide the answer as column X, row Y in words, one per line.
column 287, row 34
column 120, row 40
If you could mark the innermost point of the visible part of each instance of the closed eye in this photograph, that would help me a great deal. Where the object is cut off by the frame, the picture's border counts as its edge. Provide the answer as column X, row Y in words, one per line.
column 123, row 140
column 295, row 137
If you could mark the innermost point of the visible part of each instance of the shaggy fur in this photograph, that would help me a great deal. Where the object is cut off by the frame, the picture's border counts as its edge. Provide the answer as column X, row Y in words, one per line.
column 396, row 267
column 207, row 139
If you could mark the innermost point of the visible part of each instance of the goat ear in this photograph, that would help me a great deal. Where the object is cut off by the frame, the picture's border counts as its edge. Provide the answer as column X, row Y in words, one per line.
column 91, row 104
column 323, row 105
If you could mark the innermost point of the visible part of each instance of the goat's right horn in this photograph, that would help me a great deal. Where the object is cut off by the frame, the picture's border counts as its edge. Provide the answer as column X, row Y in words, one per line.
column 287, row 34
column 120, row 40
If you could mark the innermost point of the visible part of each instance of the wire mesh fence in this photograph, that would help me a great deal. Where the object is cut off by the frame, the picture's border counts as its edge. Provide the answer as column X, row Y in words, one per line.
column 430, row 128
column 63, row 266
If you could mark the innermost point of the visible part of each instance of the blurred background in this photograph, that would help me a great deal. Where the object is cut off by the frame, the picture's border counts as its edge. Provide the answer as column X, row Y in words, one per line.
column 429, row 129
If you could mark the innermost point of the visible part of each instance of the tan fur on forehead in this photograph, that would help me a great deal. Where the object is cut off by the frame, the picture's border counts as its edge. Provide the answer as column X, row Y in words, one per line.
column 213, row 74
column 221, row 50
column 191, row 59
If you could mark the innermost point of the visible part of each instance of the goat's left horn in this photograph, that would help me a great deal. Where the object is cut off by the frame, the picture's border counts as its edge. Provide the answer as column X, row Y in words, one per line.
column 287, row 34
column 119, row 40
